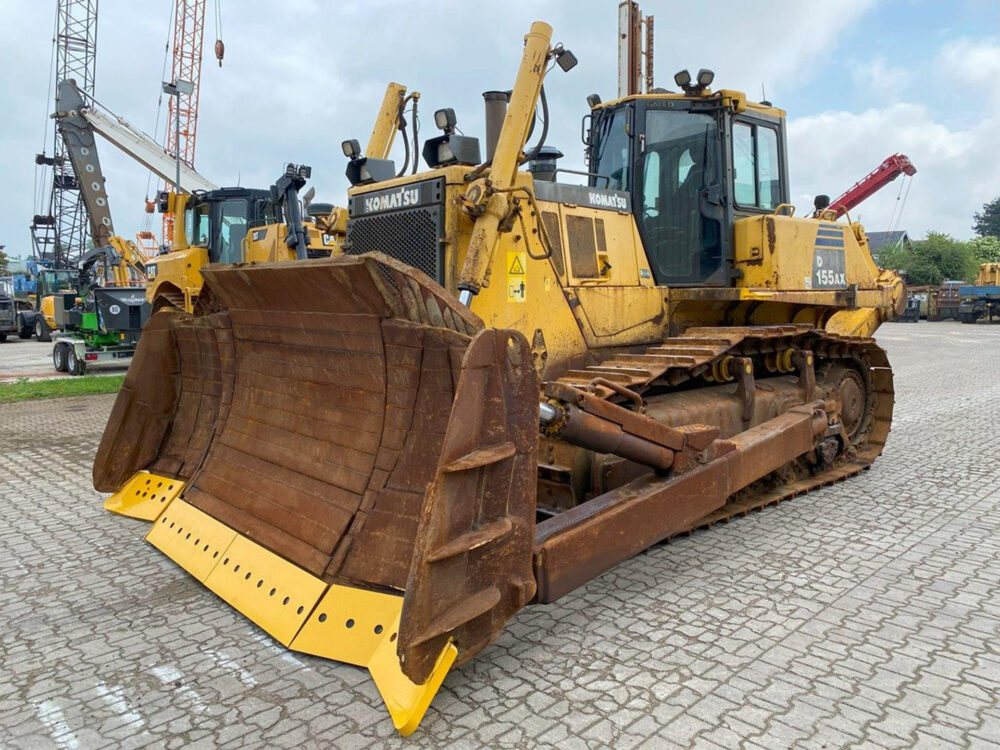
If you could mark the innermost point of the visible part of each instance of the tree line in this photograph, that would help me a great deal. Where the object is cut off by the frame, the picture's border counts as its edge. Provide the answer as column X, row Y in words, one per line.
column 939, row 257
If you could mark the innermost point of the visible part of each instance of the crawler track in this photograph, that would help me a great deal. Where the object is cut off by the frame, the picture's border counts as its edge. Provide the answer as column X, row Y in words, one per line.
column 694, row 354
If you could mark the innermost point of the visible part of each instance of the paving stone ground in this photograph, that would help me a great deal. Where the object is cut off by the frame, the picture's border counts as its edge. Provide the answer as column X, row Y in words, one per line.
column 866, row 614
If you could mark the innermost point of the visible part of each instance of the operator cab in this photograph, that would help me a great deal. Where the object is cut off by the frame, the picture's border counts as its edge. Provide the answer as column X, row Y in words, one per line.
column 692, row 163
column 56, row 281
column 219, row 220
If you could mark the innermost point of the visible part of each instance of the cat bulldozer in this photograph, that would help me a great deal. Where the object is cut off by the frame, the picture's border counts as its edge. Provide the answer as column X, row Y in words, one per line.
column 505, row 385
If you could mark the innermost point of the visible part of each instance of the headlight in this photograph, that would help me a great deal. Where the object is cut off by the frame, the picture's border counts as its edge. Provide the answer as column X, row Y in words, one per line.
column 151, row 271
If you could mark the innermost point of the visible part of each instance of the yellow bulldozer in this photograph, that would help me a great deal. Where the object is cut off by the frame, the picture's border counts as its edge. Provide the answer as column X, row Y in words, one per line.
column 506, row 384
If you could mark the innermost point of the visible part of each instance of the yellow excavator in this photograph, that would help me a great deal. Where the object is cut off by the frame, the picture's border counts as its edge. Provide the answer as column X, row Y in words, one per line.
column 507, row 384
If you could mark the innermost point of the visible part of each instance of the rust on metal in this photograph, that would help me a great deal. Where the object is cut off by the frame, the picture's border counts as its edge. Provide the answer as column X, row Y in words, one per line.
column 471, row 567
column 588, row 540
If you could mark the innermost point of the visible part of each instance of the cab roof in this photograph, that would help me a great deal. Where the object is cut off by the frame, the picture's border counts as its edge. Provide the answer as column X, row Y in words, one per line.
column 736, row 99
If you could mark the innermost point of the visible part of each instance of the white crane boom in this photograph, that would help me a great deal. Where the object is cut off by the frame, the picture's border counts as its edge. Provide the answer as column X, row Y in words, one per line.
column 146, row 151
column 133, row 142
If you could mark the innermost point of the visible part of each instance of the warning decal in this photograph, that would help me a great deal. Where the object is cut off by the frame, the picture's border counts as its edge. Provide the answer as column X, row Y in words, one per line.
column 516, row 263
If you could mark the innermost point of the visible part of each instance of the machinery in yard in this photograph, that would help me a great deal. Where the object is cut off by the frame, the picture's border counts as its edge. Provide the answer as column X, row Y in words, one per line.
column 982, row 299
column 507, row 384
column 245, row 225
column 101, row 321
column 947, row 300
column 912, row 312
column 39, row 294
column 215, row 224
column 890, row 168
column 104, row 324
column 104, row 329
column 232, row 225
column 9, row 325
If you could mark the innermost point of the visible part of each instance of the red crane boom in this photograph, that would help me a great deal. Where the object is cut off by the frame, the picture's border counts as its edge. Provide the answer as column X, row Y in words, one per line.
column 871, row 183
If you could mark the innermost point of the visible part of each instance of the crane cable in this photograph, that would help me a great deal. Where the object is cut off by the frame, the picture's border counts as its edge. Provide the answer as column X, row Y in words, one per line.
column 897, row 212
column 909, row 182
column 40, row 169
column 895, row 207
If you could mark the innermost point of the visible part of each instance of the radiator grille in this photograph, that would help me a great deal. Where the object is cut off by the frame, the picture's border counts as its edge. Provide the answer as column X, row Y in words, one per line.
column 411, row 235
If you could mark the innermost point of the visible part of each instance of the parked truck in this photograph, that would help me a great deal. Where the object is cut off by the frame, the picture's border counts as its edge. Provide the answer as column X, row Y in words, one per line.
column 982, row 299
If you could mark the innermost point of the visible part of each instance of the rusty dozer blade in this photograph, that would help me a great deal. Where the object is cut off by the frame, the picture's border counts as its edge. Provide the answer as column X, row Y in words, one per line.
column 353, row 462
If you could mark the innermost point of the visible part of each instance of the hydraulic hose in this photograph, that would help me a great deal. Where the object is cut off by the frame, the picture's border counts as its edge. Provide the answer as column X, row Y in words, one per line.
column 545, row 129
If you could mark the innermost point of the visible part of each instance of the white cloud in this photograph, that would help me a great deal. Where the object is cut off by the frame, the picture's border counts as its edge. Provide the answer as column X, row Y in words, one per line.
column 956, row 167
column 955, row 156
column 882, row 79
column 975, row 61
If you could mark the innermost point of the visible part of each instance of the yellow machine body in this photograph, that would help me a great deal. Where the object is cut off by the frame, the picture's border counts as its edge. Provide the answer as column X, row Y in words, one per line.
column 175, row 277
column 47, row 307
column 576, row 280
column 989, row 274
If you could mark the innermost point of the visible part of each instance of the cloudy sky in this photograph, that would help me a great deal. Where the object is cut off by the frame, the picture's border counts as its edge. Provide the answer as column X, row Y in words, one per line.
column 860, row 80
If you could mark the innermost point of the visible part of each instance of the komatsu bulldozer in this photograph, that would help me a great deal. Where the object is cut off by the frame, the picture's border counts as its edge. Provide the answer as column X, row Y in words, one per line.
column 506, row 384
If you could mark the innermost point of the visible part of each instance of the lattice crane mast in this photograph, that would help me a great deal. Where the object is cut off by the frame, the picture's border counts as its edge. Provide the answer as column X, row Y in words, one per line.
column 60, row 234
column 182, row 111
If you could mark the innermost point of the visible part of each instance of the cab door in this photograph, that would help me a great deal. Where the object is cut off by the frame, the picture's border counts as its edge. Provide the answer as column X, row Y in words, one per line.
column 678, row 195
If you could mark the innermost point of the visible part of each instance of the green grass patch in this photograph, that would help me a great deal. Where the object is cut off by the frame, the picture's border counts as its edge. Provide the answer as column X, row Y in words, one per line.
column 26, row 390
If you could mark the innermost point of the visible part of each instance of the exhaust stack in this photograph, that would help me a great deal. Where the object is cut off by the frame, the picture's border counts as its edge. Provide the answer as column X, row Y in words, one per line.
column 496, row 110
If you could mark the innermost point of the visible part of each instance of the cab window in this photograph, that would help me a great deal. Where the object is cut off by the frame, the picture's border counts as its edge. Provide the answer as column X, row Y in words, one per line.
column 651, row 185
column 756, row 172
column 64, row 281
column 196, row 224
column 610, row 155
column 232, row 230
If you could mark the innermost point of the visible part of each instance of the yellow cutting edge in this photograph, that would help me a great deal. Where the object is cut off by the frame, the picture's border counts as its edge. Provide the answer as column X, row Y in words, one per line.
column 303, row 612
column 144, row 496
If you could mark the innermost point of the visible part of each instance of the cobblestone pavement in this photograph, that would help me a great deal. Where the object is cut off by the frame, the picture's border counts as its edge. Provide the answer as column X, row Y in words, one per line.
column 865, row 614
